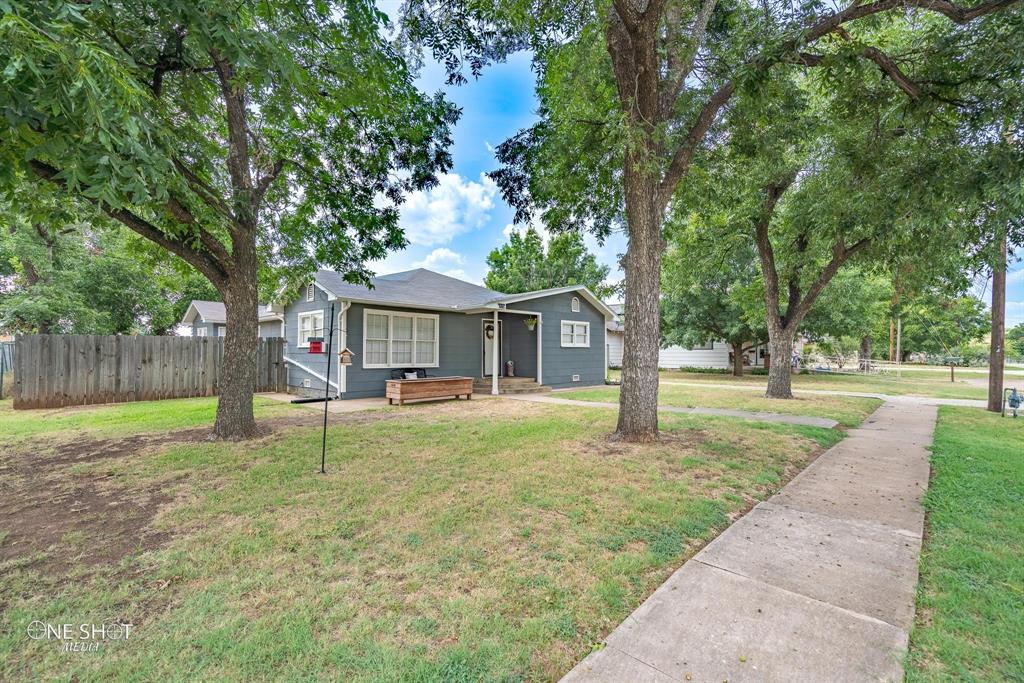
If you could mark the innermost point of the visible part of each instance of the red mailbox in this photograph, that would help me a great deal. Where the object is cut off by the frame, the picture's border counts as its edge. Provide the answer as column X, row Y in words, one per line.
column 316, row 344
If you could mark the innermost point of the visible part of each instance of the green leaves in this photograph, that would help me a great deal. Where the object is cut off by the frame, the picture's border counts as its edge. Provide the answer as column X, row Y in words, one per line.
column 523, row 266
column 122, row 98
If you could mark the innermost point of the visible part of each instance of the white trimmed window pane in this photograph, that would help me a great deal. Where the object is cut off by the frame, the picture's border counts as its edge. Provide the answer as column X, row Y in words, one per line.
column 567, row 339
column 318, row 325
column 425, row 329
column 376, row 326
column 425, row 352
column 401, row 327
column 401, row 352
column 376, row 352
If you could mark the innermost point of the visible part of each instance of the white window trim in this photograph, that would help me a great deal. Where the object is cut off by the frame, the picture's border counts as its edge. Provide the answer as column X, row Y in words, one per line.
column 573, row 343
column 391, row 337
column 201, row 330
column 304, row 344
column 575, row 304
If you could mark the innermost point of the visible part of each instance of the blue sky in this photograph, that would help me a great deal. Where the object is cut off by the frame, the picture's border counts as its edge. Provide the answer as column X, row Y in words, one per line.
column 453, row 227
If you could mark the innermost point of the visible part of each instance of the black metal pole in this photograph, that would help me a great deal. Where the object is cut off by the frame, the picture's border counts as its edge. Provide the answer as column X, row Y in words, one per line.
column 327, row 391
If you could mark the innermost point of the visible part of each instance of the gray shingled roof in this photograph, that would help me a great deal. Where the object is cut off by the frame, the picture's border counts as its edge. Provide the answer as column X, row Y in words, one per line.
column 426, row 289
column 213, row 311
column 419, row 287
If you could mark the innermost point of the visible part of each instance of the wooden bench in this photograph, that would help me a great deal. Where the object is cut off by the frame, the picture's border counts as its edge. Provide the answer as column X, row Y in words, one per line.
column 402, row 390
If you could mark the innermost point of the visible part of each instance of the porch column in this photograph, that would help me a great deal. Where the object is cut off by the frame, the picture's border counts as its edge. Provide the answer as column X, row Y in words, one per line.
column 540, row 359
column 495, row 357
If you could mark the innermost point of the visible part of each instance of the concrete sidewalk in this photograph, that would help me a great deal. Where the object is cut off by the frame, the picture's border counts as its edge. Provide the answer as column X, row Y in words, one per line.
column 815, row 584
column 784, row 418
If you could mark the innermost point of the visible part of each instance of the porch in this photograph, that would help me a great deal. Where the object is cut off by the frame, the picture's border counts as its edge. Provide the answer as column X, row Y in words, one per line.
column 511, row 357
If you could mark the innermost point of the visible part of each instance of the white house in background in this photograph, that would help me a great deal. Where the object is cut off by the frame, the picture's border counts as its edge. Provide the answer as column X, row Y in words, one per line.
column 209, row 319
column 715, row 355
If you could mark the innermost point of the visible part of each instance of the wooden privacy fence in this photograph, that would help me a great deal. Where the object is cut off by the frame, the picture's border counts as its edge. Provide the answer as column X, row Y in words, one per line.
column 52, row 370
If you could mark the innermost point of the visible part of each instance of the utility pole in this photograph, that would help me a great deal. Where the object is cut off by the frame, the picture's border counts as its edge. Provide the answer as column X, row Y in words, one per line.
column 997, row 348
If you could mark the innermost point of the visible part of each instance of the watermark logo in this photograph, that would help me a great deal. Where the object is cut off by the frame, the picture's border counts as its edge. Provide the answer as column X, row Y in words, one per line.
column 79, row 637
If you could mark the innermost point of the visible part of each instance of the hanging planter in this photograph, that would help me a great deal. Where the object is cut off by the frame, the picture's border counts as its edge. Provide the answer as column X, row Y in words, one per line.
column 531, row 323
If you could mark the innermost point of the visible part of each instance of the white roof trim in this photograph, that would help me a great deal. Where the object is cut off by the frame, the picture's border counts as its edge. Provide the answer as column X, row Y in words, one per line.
column 186, row 320
column 582, row 289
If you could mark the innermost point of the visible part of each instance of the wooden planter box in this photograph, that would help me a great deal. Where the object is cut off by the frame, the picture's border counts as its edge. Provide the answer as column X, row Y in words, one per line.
column 429, row 387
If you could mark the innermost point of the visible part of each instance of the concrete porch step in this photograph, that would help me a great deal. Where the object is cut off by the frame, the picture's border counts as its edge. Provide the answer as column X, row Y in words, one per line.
column 510, row 385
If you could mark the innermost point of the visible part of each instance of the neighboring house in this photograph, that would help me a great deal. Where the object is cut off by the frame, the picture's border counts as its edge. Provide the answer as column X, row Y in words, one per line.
column 714, row 355
column 208, row 319
column 422, row 319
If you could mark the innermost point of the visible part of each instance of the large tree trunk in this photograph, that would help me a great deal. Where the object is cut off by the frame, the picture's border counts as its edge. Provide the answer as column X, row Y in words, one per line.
column 780, row 348
column 638, row 399
column 997, row 349
column 865, row 353
column 737, row 360
column 238, row 370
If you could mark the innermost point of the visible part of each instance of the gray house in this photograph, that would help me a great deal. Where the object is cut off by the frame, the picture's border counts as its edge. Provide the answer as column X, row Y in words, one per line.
column 208, row 319
column 420, row 319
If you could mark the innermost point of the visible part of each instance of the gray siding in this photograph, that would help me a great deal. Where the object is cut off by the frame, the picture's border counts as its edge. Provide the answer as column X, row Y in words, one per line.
column 212, row 329
column 519, row 344
column 270, row 328
column 560, row 364
column 316, row 362
column 267, row 329
column 460, row 345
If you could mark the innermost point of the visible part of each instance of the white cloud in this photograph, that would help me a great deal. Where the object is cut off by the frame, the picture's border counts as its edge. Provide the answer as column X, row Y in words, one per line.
column 1015, row 276
column 459, row 274
column 440, row 256
column 454, row 207
column 1014, row 313
column 521, row 228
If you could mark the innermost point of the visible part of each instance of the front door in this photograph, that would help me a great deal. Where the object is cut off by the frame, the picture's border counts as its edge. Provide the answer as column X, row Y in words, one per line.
column 487, row 335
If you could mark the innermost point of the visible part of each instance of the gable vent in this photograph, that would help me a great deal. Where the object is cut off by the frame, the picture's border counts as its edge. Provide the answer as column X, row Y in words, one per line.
column 309, row 292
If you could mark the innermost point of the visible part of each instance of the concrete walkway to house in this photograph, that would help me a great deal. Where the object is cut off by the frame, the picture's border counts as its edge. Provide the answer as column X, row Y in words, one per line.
column 889, row 398
column 727, row 412
column 815, row 584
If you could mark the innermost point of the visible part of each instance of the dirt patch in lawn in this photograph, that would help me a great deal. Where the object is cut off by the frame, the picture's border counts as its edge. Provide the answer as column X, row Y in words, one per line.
column 55, row 517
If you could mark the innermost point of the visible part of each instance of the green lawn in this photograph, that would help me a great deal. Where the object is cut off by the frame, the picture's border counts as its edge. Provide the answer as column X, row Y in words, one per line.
column 970, row 606
column 485, row 540
column 911, row 383
column 24, row 426
column 848, row 411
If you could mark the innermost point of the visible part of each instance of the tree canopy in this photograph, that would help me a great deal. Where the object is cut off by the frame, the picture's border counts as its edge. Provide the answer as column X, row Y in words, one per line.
column 632, row 93
column 709, row 288
column 229, row 135
column 524, row 264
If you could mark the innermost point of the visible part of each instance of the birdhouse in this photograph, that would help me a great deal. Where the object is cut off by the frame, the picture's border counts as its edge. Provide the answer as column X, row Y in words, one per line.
column 316, row 344
column 345, row 357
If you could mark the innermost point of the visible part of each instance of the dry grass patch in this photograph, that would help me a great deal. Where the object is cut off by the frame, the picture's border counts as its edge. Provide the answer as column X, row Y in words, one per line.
column 495, row 540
